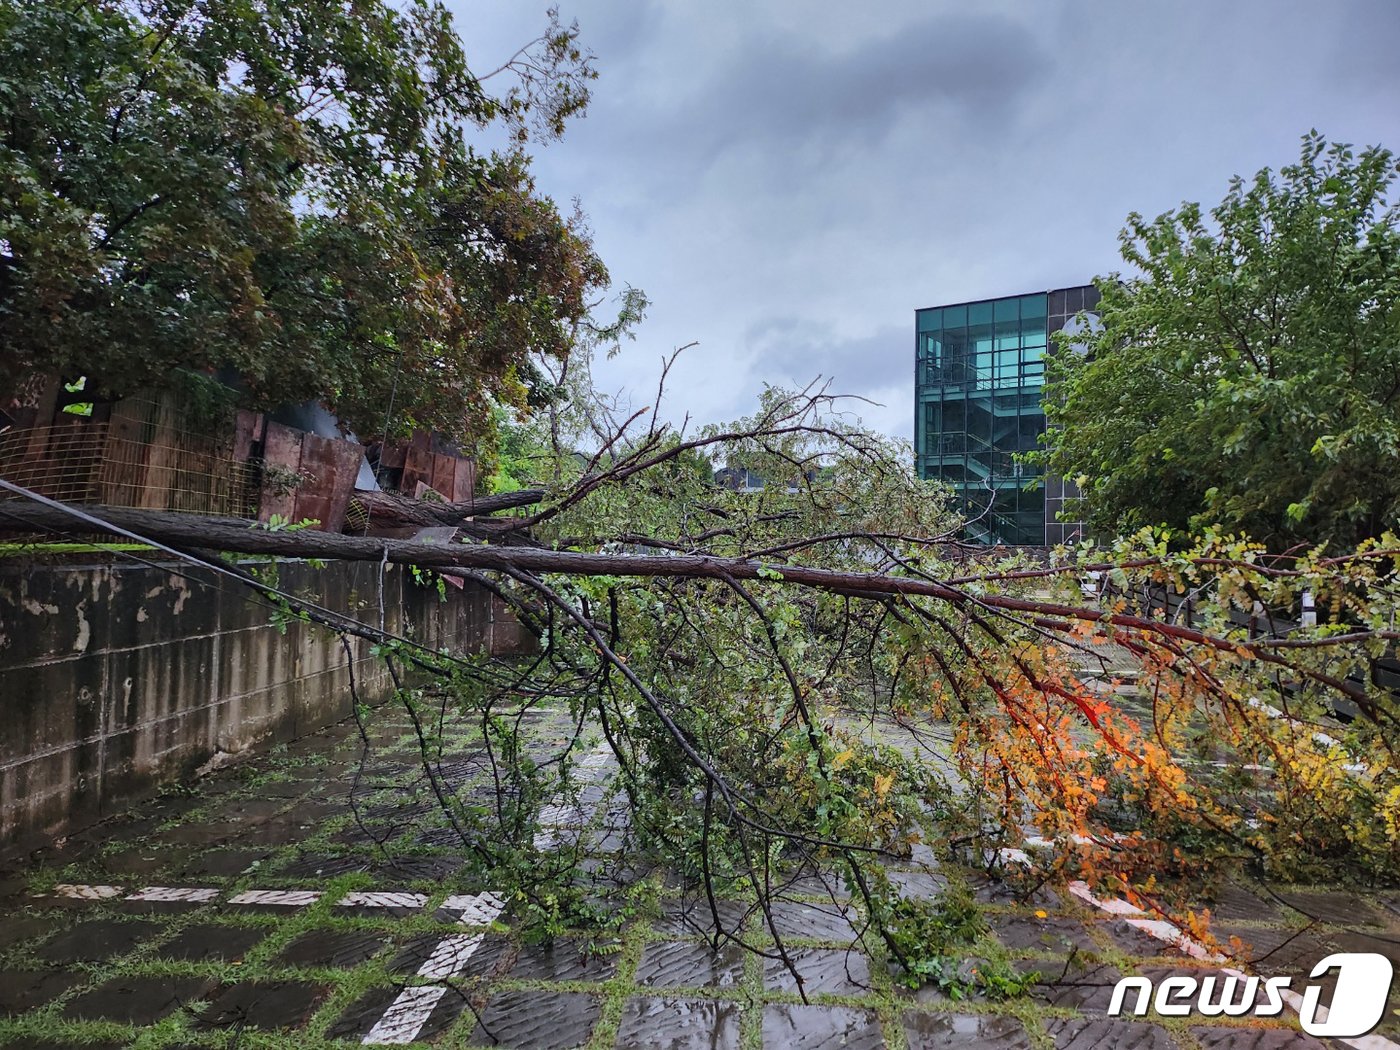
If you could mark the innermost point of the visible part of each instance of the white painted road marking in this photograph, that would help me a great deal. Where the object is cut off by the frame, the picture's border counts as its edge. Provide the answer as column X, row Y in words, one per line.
column 86, row 893
column 478, row 909
column 282, row 898
column 173, row 893
column 406, row 1015
column 450, row 957
column 382, row 900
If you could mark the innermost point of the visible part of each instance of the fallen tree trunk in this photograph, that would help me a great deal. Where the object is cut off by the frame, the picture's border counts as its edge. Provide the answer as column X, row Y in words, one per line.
column 234, row 535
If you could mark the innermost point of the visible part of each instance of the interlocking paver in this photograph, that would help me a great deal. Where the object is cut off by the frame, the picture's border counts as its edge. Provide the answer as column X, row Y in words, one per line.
column 678, row 1024
column 1105, row 1034
column 562, row 961
column 925, row 1031
column 794, row 1027
column 138, row 1000
column 676, row 964
column 537, row 1020
column 96, row 941
column 25, row 990
column 822, row 970
column 204, row 943
column 262, row 1004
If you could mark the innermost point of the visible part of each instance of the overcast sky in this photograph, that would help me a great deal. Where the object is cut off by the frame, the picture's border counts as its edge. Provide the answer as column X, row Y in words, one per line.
column 788, row 180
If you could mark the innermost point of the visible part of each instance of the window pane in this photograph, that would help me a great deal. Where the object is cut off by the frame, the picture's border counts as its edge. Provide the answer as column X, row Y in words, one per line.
column 930, row 320
column 954, row 317
column 979, row 313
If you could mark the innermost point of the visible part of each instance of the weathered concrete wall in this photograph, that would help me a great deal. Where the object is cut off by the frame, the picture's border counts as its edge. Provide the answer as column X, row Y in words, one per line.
column 115, row 679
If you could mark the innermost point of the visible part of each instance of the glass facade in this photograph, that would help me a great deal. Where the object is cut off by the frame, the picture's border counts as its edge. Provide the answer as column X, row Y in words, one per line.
column 979, row 378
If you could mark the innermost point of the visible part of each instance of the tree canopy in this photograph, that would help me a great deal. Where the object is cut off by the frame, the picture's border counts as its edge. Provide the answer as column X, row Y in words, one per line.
column 1248, row 374
column 289, row 192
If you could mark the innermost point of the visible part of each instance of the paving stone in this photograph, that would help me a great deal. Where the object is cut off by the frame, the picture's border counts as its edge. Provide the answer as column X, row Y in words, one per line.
column 1108, row 1035
column 678, row 1024
column 561, row 961
column 485, row 960
column 925, row 1031
column 19, row 928
column 828, row 970
column 138, row 1000
column 794, row 1027
column 537, row 1020
column 1051, row 934
column 143, row 861
column 1340, row 909
column 96, row 941
column 1232, row 903
column 1085, row 985
column 675, row 964
column 690, row 915
column 339, row 950
column 165, row 900
column 830, row 886
column 1136, row 941
column 224, row 863
column 323, row 866
column 380, row 903
column 918, row 885
column 1241, row 1038
column 818, row 922
column 1290, row 953
column 417, row 869
column 1256, row 942
column 209, row 942
column 263, row 1004
column 25, row 990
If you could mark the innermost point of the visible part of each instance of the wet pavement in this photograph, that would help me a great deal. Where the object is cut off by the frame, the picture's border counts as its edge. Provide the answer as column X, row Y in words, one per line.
column 266, row 907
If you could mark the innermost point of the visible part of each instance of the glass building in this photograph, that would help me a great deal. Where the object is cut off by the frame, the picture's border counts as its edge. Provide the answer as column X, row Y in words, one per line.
column 979, row 377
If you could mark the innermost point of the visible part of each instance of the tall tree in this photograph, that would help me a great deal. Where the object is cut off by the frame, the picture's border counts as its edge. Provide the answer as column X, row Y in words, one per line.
column 1248, row 376
column 287, row 190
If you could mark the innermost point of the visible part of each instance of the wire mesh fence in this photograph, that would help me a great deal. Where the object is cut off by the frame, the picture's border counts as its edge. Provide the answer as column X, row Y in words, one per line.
column 141, row 456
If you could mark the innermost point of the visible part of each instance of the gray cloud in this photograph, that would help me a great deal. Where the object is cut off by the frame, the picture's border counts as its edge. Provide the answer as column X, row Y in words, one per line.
column 790, row 179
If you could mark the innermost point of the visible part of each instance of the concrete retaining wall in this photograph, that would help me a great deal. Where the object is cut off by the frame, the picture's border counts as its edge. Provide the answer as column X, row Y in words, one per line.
column 116, row 679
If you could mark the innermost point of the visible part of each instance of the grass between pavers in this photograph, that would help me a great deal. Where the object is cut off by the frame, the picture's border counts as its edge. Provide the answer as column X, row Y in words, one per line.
column 337, row 761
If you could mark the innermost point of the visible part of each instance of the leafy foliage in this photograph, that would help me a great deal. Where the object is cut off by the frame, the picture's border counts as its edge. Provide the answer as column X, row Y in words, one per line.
column 1249, row 375
column 286, row 192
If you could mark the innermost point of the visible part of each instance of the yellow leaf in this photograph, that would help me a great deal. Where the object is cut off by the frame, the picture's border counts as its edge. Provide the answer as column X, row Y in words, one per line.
column 840, row 760
column 883, row 783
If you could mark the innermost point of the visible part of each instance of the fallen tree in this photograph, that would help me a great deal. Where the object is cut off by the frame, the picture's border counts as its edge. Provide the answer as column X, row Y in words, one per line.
column 730, row 646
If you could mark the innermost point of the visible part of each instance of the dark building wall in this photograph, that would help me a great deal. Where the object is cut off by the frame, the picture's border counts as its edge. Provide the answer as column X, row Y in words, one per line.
column 116, row 679
column 979, row 384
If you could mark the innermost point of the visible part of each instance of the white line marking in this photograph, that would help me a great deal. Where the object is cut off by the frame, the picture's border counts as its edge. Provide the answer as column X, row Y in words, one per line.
column 86, row 893
column 478, row 909
column 173, row 893
column 282, row 898
column 383, row 900
column 406, row 1015
column 1114, row 905
column 450, row 957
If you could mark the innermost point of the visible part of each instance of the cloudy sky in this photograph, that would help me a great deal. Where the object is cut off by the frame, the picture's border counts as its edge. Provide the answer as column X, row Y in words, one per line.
column 788, row 180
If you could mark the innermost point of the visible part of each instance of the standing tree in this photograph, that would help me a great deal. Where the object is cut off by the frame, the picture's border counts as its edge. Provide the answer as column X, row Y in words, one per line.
column 1249, row 375
column 289, row 191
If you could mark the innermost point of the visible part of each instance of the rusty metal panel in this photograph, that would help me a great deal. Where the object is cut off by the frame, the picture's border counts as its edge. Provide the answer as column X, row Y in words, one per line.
column 281, row 470
column 418, row 463
column 463, row 481
column 330, row 467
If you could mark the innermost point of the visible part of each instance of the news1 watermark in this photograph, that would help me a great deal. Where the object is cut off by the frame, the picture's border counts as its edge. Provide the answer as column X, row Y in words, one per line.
column 1356, row 1006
